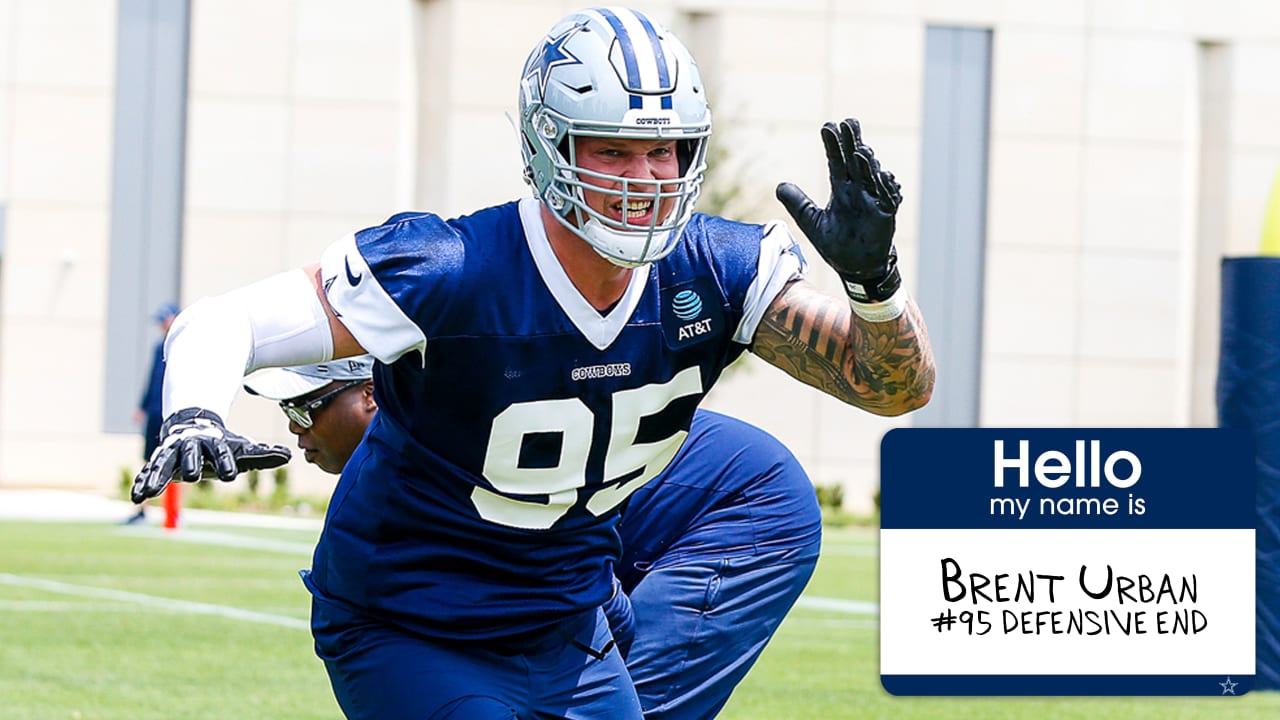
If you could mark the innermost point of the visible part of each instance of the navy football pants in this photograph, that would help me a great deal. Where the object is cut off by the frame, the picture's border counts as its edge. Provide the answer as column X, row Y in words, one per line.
column 379, row 672
column 700, row 624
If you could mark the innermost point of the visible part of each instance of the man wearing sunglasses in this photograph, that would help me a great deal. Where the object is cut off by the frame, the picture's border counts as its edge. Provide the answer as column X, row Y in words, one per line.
column 716, row 549
column 329, row 406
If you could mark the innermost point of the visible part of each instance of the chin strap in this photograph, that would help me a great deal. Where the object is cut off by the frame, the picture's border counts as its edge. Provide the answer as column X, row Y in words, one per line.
column 598, row 235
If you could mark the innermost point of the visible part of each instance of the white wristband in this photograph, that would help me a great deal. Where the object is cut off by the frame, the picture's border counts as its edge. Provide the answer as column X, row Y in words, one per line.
column 883, row 310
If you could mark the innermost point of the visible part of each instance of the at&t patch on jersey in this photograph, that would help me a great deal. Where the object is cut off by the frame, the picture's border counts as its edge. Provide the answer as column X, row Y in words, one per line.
column 691, row 312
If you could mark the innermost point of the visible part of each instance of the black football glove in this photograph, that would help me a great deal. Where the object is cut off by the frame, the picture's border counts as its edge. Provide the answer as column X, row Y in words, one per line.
column 854, row 232
column 195, row 443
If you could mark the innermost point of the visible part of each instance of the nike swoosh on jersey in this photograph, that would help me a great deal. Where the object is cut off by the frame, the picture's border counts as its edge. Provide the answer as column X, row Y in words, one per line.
column 352, row 278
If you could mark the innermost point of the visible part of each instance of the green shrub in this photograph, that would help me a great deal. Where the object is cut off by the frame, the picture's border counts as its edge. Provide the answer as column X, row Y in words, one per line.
column 830, row 496
column 280, row 490
column 126, row 481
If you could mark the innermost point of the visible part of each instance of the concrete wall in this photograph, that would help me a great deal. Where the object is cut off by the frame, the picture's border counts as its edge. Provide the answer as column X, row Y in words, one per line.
column 1132, row 144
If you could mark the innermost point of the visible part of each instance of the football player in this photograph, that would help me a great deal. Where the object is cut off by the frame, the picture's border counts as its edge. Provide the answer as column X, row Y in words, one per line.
column 540, row 361
column 716, row 549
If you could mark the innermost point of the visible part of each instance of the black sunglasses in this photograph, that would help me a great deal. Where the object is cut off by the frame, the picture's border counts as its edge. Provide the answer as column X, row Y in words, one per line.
column 301, row 414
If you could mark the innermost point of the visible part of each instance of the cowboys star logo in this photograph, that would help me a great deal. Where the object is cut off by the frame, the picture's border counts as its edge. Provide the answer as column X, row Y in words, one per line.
column 553, row 56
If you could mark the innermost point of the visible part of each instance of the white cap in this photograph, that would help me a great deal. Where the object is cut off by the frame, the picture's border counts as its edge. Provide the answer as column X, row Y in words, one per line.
column 291, row 382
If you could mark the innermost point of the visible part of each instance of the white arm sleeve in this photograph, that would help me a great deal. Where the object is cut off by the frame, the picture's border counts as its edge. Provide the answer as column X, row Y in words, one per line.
column 780, row 263
column 217, row 341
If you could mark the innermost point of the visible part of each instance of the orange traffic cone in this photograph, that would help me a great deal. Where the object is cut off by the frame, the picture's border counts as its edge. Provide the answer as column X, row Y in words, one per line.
column 172, row 505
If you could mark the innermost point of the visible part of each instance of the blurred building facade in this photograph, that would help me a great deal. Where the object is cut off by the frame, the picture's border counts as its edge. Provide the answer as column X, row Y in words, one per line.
column 1073, row 172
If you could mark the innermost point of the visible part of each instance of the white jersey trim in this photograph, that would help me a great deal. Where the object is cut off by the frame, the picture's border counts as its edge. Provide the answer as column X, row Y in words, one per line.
column 599, row 330
column 365, row 307
column 780, row 262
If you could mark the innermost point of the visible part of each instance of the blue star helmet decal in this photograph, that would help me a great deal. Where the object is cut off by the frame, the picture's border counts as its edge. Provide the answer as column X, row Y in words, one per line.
column 553, row 55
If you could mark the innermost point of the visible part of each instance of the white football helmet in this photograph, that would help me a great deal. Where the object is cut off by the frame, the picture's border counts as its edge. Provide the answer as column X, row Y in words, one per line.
column 613, row 72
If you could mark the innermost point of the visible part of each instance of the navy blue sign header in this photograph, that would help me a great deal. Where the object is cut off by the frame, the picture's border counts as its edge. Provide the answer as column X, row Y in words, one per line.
column 1066, row 478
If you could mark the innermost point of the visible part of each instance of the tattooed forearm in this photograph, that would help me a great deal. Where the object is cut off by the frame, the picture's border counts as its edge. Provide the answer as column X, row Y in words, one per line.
column 885, row 368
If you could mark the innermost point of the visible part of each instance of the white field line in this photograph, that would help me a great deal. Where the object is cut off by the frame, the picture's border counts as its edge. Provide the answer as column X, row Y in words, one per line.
column 853, row 607
column 851, row 550
column 76, row 606
column 834, row 623
column 215, row 537
column 151, row 601
column 226, row 539
column 211, row 537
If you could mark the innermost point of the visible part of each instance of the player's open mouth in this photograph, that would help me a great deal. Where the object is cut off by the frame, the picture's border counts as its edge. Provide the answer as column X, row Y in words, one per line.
column 636, row 210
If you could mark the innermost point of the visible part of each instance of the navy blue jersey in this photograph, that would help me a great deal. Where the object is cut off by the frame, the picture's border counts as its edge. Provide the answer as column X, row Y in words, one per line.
column 733, row 490
column 150, row 403
column 513, row 417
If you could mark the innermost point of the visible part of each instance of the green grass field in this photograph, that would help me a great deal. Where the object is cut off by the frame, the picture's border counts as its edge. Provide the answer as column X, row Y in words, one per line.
column 99, row 622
